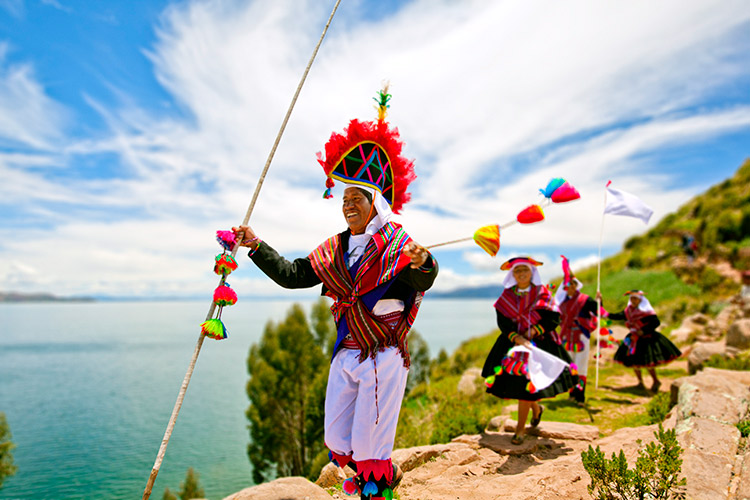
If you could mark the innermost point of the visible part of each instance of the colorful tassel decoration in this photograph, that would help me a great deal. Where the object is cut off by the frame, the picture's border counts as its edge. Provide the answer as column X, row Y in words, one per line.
column 224, row 296
column 565, row 193
column 516, row 364
column 371, row 488
column 488, row 237
column 607, row 339
column 388, row 494
column 552, row 186
column 226, row 239
column 489, row 381
column 350, row 487
column 225, row 264
column 329, row 185
column 573, row 369
column 215, row 329
column 530, row 387
column 530, row 215
column 498, row 369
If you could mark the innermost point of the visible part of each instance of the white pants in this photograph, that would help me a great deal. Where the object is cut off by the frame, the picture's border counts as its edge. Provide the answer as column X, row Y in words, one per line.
column 350, row 411
column 581, row 358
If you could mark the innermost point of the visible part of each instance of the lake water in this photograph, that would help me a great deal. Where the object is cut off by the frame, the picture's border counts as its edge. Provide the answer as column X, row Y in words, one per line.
column 88, row 389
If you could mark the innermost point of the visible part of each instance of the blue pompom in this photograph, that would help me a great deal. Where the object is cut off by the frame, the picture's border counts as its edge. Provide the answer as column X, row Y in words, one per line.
column 370, row 489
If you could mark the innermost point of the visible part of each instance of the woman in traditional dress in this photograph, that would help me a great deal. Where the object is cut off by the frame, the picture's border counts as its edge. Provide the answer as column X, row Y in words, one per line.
column 376, row 275
column 643, row 346
column 526, row 316
column 577, row 321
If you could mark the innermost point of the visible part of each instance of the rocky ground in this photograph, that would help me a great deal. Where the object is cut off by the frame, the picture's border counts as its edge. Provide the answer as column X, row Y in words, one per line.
column 548, row 465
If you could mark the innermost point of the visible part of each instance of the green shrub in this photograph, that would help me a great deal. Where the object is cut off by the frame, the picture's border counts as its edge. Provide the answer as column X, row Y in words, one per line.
column 7, row 467
column 744, row 428
column 709, row 279
column 656, row 474
column 658, row 407
column 455, row 417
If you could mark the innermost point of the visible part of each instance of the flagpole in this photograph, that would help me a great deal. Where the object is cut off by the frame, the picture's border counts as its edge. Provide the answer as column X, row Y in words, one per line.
column 598, row 292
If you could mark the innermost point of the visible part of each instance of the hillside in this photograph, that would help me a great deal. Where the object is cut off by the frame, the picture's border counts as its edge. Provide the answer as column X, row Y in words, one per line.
column 719, row 221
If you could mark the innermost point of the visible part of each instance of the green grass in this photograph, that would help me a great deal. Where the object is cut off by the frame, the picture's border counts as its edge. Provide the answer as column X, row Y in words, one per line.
column 744, row 428
column 611, row 406
column 660, row 287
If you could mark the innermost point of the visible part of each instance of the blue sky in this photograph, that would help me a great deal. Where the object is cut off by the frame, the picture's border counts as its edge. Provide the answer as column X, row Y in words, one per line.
column 131, row 131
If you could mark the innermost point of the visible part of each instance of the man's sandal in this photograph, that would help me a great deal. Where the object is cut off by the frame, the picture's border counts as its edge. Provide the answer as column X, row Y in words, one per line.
column 398, row 475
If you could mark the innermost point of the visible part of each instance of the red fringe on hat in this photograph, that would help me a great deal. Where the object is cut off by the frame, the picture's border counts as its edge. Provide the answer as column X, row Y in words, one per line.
column 388, row 139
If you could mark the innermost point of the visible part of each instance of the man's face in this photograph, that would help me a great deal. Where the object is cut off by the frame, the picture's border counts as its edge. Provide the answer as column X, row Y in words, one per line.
column 356, row 208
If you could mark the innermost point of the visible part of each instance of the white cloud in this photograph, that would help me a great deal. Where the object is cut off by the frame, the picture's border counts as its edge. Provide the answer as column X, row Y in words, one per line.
column 27, row 115
column 579, row 90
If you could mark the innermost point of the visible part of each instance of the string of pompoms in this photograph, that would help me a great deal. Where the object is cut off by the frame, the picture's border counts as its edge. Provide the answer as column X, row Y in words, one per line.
column 558, row 190
column 223, row 295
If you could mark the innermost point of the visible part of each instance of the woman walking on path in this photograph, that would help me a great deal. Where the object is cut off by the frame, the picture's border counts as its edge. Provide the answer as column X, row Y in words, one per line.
column 643, row 346
column 577, row 321
column 526, row 316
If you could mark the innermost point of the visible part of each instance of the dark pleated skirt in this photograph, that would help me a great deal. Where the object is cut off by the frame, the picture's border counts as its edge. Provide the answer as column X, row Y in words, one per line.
column 508, row 386
column 651, row 350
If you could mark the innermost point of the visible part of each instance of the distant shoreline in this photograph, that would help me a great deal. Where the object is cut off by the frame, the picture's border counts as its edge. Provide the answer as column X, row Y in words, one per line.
column 40, row 297
column 18, row 297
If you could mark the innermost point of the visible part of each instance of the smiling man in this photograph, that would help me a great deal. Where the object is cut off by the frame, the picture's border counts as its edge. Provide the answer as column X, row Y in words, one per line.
column 376, row 275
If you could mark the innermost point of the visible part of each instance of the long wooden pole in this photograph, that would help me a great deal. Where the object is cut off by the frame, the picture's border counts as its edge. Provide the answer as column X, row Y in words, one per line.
column 212, row 308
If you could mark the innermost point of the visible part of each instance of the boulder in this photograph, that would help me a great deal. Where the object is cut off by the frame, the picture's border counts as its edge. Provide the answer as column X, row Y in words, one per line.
column 719, row 395
column 285, row 488
column 559, row 430
column 707, row 475
column 701, row 351
column 742, row 474
column 410, row 458
column 738, row 334
column 497, row 423
column 694, row 326
column 727, row 316
column 468, row 383
column 331, row 475
column 710, row 403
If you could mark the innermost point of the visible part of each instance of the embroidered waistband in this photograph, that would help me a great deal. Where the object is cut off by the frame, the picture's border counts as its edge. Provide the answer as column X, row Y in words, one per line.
column 390, row 319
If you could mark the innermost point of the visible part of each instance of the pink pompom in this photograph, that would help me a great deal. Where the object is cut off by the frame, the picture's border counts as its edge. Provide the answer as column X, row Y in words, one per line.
column 565, row 193
column 224, row 296
column 226, row 239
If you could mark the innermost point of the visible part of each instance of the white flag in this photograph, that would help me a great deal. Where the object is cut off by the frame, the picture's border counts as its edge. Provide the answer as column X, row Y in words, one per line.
column 622, row 203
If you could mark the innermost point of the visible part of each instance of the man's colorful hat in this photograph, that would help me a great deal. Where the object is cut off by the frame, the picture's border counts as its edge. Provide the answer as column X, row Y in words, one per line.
column 640, row 293
column 508, row 264
column 370, row 155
